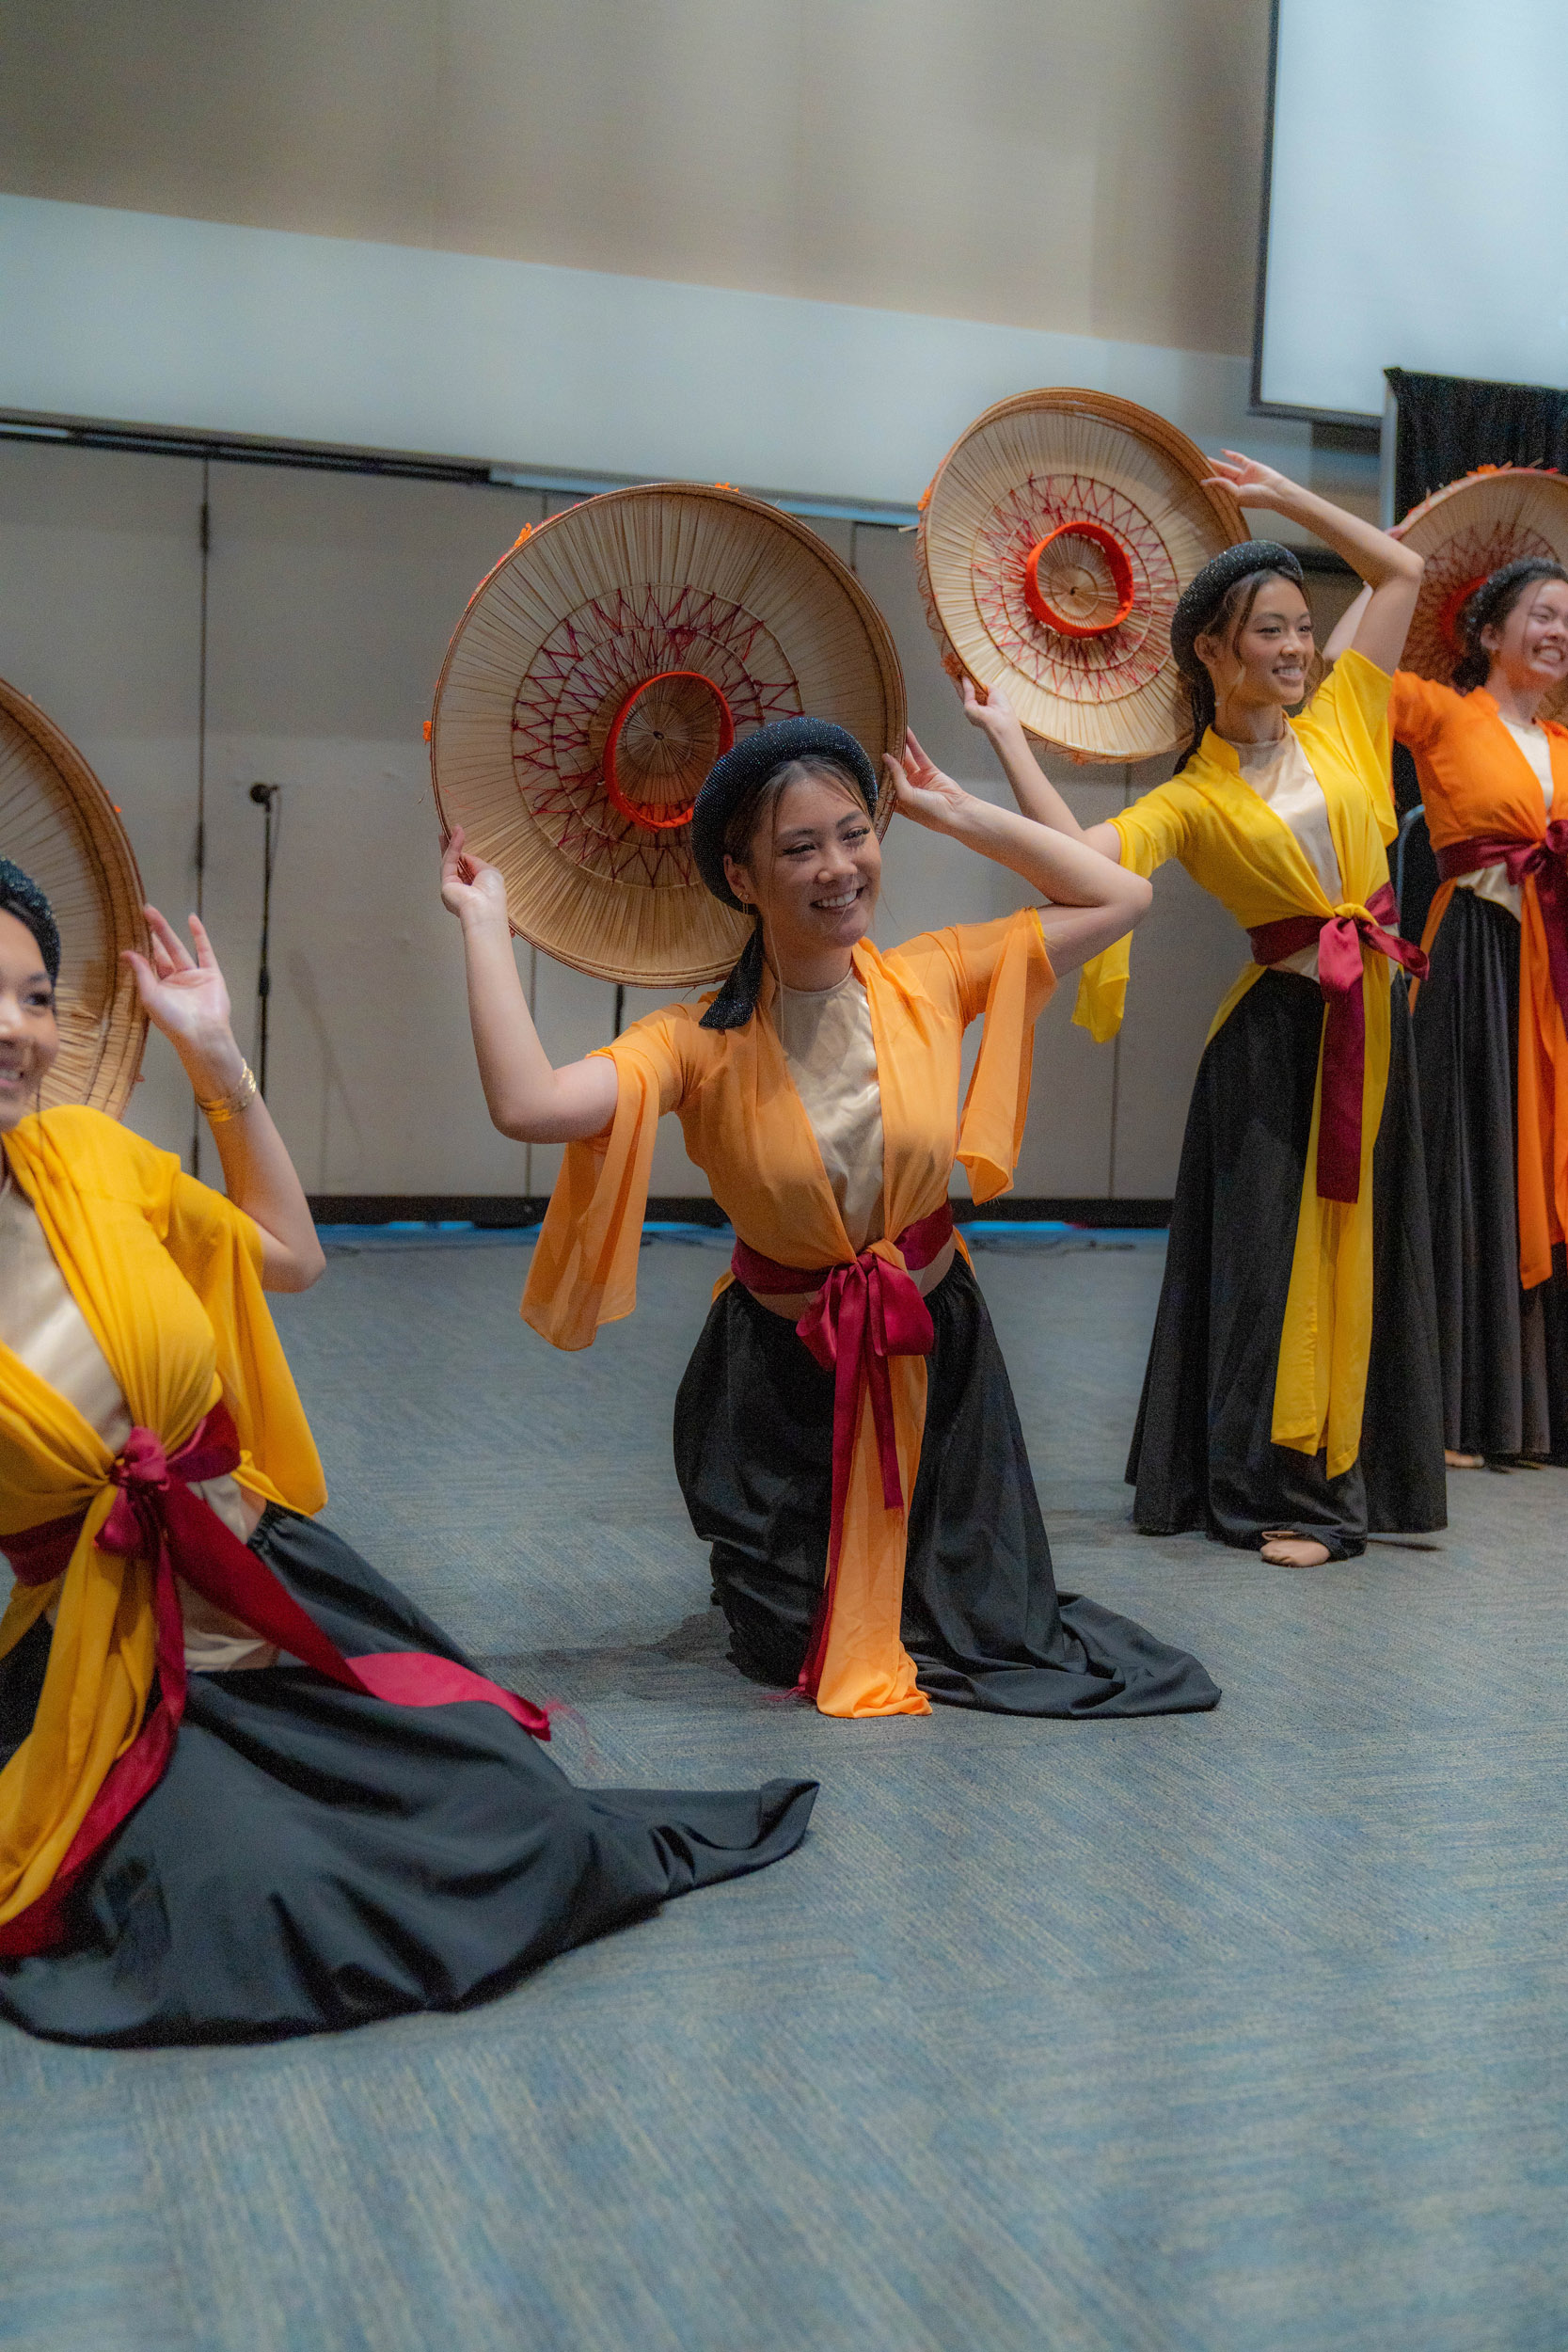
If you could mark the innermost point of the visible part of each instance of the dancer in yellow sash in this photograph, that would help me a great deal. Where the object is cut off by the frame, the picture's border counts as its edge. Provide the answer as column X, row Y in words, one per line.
column 247, row 1788
column 1290, row 1401
column 845, row 1434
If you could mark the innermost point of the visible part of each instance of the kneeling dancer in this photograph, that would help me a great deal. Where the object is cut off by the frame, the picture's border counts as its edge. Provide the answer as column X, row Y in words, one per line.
column 846, row 1436
column 247, row 1788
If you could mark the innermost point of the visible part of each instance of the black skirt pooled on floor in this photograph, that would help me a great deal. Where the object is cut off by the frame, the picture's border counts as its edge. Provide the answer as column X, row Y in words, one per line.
column 314, row 1858
column 982, row 1621
column 1202, row 1454
column 1504, row 1349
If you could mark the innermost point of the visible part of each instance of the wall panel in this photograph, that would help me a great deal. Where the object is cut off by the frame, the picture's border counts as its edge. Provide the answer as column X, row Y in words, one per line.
column 99, row 623
column 331, row 602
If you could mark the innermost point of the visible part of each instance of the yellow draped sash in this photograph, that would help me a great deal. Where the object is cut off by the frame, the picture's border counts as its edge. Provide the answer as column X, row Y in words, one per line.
column 167, row 1276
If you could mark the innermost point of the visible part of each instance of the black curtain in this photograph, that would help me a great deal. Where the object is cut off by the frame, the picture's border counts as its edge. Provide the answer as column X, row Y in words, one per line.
column 1450, row 424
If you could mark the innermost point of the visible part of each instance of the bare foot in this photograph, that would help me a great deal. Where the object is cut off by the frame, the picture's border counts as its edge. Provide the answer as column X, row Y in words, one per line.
column 1463, row 1461
column 1293, row 1551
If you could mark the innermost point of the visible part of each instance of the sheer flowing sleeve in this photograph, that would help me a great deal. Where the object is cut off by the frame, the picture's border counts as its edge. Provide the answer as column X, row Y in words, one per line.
column 1158, row 827
column 584, row 1270
column 998, row 972
column 1418, row 711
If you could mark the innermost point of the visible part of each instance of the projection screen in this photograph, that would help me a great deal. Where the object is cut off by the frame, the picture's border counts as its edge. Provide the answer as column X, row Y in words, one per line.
column 1417, row 199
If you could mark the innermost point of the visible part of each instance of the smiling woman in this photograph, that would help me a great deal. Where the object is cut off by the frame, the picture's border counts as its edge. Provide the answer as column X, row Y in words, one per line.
column 845, row 1436
column 1290, row 1399
column 1490, row 1039
column 211, row 1735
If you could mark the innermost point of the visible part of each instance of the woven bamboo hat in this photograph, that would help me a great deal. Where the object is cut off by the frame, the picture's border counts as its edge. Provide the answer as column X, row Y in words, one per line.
column 1053, row 543
column 599, row 670
column 1467, row 530
column 59, row 824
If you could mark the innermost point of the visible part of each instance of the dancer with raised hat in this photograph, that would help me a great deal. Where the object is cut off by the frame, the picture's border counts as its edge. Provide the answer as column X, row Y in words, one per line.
column 1491, row 1037
column 246, row 1788
column 846, row 1436
column 1290, row 1401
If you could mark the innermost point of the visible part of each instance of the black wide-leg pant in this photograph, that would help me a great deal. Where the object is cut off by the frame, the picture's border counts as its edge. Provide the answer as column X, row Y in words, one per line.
column 316, row 1858
column 982, row 1618
column 1504, row 1350
column 1203, row 1452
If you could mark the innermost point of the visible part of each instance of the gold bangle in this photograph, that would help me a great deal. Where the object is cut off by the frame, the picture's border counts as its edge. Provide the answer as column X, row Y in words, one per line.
column 230, row 1105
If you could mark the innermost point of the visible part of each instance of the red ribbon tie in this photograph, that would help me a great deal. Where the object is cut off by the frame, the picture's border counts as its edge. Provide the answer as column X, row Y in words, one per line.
column 1343, row 943
column 861, row 1315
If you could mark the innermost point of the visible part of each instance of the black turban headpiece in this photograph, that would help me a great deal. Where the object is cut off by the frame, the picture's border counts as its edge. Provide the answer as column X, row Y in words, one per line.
column 20, row 896
column 1199, row 606
column 738, row 777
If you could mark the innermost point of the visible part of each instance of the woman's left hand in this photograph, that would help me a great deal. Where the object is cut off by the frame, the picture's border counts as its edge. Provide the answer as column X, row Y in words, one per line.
column 1252, row 484
column 184, row 996
column 921, row 791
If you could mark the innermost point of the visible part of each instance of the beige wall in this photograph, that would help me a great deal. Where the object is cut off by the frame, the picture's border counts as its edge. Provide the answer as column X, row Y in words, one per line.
column 331, row 598
column 1038, row 162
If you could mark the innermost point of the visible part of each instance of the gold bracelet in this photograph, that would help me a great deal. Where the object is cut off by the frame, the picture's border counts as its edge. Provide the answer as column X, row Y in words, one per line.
column 225, row 1106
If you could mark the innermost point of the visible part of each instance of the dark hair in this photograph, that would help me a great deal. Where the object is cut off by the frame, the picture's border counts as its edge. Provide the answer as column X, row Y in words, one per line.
column 1227, row 620
column 20, row 896
column 1488, row 607
column 737, row 1000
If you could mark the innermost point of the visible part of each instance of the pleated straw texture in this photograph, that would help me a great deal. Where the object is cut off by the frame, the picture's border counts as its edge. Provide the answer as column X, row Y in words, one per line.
column 1038, row 464
column 586, row 609
column 59, row 824
column 1467, row 531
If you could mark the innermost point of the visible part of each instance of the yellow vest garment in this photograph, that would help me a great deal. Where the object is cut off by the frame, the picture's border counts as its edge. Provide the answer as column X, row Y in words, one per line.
column 167, row 1276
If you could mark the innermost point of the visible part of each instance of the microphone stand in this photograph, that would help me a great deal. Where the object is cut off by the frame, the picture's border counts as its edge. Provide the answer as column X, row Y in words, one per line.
column 265, row 796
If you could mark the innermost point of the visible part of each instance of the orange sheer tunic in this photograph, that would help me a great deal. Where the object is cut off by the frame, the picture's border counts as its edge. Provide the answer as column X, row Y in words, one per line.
column 746, row 1128
column 1477, row 784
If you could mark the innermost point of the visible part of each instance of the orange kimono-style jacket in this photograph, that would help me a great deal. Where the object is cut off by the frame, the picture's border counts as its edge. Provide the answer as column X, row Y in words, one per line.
column 1477, row 784
column 746, row 1128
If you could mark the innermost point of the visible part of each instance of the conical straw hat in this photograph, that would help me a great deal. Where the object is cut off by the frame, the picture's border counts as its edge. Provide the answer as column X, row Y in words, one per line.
column 596, row 677
column 1467, row 530
column 59, row 824
column 1054, row 541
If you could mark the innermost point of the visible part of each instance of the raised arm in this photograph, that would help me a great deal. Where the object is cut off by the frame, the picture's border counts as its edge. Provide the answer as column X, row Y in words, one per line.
column 1088, row 900
column 1392, row 572
column 1031, row 788
column 528, row 1099
column 1343, row 632
column 186, row 997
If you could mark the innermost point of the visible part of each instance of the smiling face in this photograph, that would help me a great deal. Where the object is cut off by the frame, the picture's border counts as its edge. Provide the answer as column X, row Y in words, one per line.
column 1260, row 657
column 813, row 868
column 1529, row 647
column 29, row 1033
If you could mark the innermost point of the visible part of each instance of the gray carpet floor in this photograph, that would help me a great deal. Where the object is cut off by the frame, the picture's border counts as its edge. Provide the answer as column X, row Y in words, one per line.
column 1244, row 2032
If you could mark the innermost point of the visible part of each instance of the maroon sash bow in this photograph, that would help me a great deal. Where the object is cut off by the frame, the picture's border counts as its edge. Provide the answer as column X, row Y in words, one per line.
column 155, row 1516
column 1544, row 863
column 862, row 1314
column 1342, row 941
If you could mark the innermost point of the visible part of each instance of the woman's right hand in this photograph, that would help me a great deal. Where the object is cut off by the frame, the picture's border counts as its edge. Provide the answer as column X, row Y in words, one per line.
column 470, row 889
column 994, row 714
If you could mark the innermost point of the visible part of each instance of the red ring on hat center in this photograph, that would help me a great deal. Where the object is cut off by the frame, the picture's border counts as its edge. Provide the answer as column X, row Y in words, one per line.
column 1090, row 590
column 1450, row 609
column 668, row 731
